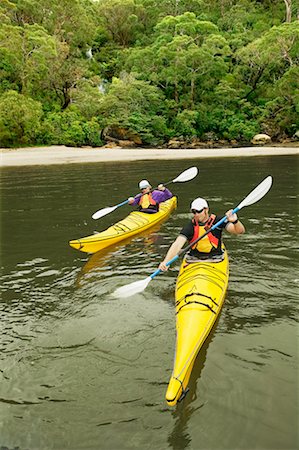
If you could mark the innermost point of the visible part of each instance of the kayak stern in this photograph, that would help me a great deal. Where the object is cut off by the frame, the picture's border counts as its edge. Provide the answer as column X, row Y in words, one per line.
column 175, row 392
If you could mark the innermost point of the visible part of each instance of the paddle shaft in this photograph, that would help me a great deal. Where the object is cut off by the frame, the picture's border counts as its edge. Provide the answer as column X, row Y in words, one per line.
column 140, row 195
column 122, row 203
column 184, row 250
column 187, row 175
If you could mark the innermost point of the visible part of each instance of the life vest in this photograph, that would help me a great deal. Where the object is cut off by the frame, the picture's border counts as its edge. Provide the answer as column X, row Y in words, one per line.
column 147, row 202
column 209, row 242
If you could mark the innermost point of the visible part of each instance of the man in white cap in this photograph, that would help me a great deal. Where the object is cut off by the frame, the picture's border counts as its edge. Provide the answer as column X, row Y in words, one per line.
column 148, row 201
column 208, row 248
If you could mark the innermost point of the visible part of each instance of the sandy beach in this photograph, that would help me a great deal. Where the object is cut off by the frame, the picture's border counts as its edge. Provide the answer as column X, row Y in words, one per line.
column 71, row 155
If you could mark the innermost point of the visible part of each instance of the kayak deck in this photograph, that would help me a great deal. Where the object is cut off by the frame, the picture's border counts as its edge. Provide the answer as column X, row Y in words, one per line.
column 133, row 224
column 200, row 293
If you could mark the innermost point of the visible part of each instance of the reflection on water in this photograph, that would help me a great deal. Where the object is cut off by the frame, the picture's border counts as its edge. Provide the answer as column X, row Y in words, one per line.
column 104, row 259
column 80, row 369
column 180, row 437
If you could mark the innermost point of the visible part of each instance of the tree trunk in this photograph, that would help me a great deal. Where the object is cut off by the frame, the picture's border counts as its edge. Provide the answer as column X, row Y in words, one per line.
column 288, row 4
column 176, row 92
column 222, row 8
column 192, row 91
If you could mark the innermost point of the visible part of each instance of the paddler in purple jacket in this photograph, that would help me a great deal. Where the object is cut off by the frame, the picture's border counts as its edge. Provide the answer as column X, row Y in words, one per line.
column 147, row 201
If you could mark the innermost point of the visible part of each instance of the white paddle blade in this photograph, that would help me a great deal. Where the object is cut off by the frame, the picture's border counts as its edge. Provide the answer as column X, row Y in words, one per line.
column 103, row 212
column 257, row 193
column 187, row 175
column 131, row 289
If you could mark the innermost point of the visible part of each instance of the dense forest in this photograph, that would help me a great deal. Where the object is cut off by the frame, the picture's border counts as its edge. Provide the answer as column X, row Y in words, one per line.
column 73, row 72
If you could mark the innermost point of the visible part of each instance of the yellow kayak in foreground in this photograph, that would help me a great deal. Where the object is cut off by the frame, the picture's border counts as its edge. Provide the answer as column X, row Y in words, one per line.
column 133, row 224
column 200, row 292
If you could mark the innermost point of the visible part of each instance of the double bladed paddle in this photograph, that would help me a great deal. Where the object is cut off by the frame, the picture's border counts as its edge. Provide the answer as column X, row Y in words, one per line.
column 138, row 286
column 187, row 175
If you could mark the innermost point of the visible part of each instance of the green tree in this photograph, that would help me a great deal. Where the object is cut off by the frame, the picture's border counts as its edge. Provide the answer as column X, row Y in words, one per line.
column 281, row 112
column 87, row 95
column 135, row 105
column 6, row 11
column 69, row 128
column 187, row 57
column 37, row 64
column 121, row 20
column 26, row 56
column 20, row 119
column 66, row 73
column 266, row 59
column 71, row 21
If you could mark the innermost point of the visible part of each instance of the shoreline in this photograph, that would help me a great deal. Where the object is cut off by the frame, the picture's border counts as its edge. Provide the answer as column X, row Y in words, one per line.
column 61, row 154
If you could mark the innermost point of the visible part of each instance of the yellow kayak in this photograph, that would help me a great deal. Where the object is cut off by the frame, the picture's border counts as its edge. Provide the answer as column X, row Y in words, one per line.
column 133, row 224
column 200, row 292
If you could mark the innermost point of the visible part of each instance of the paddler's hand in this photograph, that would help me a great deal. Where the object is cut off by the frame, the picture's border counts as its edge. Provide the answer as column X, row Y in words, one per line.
column 161, row 187
column 231, row 217
column 131, row 200
column 163, row 267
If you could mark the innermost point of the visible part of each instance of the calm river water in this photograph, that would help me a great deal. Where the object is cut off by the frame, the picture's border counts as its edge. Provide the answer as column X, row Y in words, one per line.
column 80, row 369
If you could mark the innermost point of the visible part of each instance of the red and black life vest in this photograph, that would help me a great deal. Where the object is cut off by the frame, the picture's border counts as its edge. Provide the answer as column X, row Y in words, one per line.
column 209, row 242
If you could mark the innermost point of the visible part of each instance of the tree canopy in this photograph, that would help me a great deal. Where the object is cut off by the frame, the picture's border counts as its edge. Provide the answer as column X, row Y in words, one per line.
column 161, row 69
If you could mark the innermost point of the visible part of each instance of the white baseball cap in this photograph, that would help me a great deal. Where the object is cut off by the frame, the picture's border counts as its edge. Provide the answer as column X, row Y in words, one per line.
column 199, row 203
column 144, row 184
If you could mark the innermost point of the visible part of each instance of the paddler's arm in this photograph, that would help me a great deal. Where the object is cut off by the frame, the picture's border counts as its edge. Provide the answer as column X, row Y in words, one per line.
column 173, row 251
column 166, row 191
column 134, row 200
column 161, row 194
column 234, row 226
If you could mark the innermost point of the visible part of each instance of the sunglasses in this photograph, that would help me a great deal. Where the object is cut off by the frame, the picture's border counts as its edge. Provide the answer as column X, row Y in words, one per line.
column 195, row 211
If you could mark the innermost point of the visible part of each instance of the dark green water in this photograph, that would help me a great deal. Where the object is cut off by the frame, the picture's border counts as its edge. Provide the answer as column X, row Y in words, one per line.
column 80, row 369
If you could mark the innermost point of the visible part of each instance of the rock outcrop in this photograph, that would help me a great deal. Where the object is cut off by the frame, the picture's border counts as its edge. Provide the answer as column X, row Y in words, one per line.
column 121, row 136
column 261, row 139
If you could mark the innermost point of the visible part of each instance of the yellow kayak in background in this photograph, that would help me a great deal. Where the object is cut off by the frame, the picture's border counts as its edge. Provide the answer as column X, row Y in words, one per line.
column 133, row 224
column 200, row 292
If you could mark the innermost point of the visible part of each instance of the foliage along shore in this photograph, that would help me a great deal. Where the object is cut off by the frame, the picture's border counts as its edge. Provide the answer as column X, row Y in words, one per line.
column 186, row 72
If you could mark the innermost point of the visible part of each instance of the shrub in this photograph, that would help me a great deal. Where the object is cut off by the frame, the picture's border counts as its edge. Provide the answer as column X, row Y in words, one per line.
column 185, row 123
column 20, row 119
column 71, row 129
